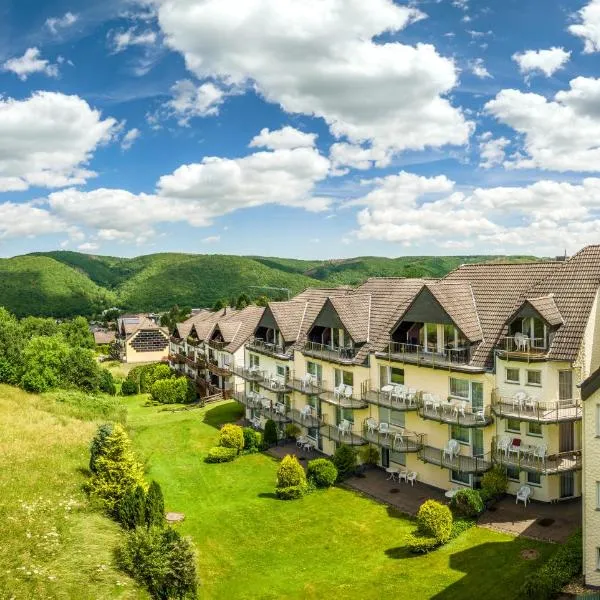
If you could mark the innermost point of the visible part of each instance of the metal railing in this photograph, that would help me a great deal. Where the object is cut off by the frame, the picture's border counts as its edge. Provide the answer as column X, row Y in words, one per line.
column 217, row 345
column 396, row 439
column 264, row 407
column 264, row 347
column 314, row 388
column 454, row 413
column 302, row 418
column 456, row 462
column 331, row 353
column 219, row 369
column 541, row 411
column 342, row 401
column 525, row 459
column 523, row 346
column 248, row 373
column 421, row 355
column 385, row 399
column 334, row 433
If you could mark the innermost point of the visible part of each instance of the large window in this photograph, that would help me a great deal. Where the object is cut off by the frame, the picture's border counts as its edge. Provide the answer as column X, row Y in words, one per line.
column 535, row 329
column 534, row 478
column 565, row 385
column 393, row 417
column 254, row 360
column 534, row 429
column 459, row 388
column 513, row 425
column 315, row 369
column 512, row 375
column 461, row 434
column 390, row 375
column 460, row 477
column 345, row 413
column 431, row 337
column 534, row 377
column 512, row 473
column 345, row 377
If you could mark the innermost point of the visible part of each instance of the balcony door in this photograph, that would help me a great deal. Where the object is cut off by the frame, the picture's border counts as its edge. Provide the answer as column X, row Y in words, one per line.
column 566, row 436
column 565, row 385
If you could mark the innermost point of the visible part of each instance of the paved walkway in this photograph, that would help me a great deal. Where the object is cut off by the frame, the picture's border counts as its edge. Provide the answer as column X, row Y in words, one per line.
column 538, row 520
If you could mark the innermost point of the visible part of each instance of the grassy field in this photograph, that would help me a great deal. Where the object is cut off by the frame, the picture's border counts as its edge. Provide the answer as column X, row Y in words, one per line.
column 53, row 546
column 329, row 544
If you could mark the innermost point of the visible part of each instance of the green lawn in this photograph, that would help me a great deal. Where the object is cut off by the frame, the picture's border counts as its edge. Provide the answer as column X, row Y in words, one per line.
column 333, row 544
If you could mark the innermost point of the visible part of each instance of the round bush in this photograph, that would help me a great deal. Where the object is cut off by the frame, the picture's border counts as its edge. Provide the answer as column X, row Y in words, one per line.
column 220, row 454
column 344, row 460
column 321, row 472
column 231, row 436
column 290, row 473
column 435, row 520
column 252, row 439
column 494, row 483
column 467, row 503
column 129, row 388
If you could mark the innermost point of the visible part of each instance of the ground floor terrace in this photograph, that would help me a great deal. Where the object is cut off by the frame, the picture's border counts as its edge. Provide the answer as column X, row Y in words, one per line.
column 344, row 542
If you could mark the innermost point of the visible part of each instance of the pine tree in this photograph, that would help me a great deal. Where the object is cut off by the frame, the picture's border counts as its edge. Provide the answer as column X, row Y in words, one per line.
column 131, row 509
column 98, row 443
column 155, row 506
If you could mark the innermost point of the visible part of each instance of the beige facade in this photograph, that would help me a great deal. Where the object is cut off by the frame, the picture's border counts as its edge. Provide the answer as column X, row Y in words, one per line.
column 146, row 345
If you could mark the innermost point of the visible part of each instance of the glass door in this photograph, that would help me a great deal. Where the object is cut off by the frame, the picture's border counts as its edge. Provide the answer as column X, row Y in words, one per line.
column 477, row 442
column 476, row 395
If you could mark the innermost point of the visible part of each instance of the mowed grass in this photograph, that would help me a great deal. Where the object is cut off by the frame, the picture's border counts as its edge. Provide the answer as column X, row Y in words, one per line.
column 53, row 545
column 332, row 544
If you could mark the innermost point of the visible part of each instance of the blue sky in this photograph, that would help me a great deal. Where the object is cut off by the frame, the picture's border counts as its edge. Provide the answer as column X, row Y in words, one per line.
column 326, row 128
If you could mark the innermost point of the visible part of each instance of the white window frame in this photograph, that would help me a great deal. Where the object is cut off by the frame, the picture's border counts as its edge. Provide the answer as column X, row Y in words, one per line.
column 597, row 420
column 527, row 382
column 598, row 495
column 512, row 381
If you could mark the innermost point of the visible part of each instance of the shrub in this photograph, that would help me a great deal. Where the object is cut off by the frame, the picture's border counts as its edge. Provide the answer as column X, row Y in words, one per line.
column 170, row 391
column 421, row 544
column 106, row 382
column 270, row 435
column 129, row 388
column 131, row 509
column 467, row 503
column 494, row 483
column 161, row 560
column 231, row 436
column 435, row 520
column 321, row 472
column 369, row 455
column 252, row 439
column 220, row 454
column 98, row 444
column 117, row 471
column 292, row 430
column 344, row 460
column 549, row 579
column 155, row 506
column 290, row 473
column 292, row 492
column 461, row 525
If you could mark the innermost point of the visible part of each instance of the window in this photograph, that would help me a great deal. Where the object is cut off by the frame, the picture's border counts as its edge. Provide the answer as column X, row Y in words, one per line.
column 534, row 478
column 459, row 388
column 535, row 429
column 459, row 477
column 397, row 375
column 315, row 369
column 565, row 385
column 513, row 425
column 512, row 376
column 345, row 377
column 431, row 337
column 398, row 457
column 512, row 473
column 450, row 336
column 598, row 494
column 280, row 370
column 534, row 377
column 254, row 360
column 476, row 394
column 460, row 434
column 345, row 413
column 598, row 558
column 598, row 420
column 393, row 417
column 385, row 458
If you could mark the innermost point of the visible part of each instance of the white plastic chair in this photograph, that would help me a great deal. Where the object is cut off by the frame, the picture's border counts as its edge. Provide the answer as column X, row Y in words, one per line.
column 411, row 396
column 338, row 391
column 306, row 381
column 300, row 441
column 344, row 427
column 412, row 477
column 521, row 341
column 524, row 494
column 347, row 393
column 452, row 448
column 371, row 425
column 280, row 408
column 503, row 445
column 306, row 412
column 384, row 428
column 539, row 452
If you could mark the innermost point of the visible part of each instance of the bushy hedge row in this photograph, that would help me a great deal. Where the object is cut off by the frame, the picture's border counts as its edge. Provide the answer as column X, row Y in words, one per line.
column 219, row 454
column 549, row 579
column 172, row 391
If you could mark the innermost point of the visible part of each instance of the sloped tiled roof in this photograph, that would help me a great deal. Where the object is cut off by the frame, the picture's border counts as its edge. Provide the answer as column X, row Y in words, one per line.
column 239, row 327
column 202, row 323
column 288, row 316
column 547, row 309
column 354, row 311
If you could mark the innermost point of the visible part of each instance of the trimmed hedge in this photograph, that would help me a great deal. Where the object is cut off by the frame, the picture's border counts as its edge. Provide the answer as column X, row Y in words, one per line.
column 129, row 388
column 435, row 520
column 467, row 503
column 231, row 436
column 421, row 544
column 252, row 440
column 290, row 472
column 220, row 454
column 292, row 492
column 494, row 483
column 321, row 472
column 548, row 580
column 344, row 460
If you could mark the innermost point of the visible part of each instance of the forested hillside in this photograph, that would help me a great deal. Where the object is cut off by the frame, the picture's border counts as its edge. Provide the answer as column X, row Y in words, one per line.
column 66, row 283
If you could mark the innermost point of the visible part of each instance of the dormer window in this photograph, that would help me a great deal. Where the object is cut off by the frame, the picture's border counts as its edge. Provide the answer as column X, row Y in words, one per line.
column 529, row 332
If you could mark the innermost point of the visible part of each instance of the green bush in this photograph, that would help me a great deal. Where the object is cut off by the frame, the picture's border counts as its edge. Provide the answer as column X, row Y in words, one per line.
column 421, row 544
column 467, row 503
column 460, row 525
column 369, row 455
column 321, row 472
column 170, row 391
column 129, row 388
column 231, row 436
column 131, row 509
column 98, row 444
column 344, row 460
column 292, row 492
column 292, row 431
column 494, row 483
column 161, row 560
column 270, row 435
column 220, row 454
column 549, row 579
column 290, row 472
column 435, row 520
column 155, row 506
column 252, row 440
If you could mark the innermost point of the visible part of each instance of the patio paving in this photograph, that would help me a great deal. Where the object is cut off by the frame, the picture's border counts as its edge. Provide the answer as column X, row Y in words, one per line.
column 558, row 520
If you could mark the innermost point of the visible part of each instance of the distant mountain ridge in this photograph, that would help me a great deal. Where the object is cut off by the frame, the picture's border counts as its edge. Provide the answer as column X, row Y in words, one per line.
column 64, row 283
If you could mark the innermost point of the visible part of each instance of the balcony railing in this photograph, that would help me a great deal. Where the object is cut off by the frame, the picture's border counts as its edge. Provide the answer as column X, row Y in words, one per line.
column 270, row 410
column 414, row 353
column 264, row 347
column 312, row 388
column 522, row 348
column 332, row 432
column 342, row 401
column 217, row 345
column 340, row 355
column 524, row 458
column 455, row 462
column 305, row 419
column 396, row 438
column 455, row 412
column 401, row 402
column 219, row 369
column 541, row 411
column 248, row 373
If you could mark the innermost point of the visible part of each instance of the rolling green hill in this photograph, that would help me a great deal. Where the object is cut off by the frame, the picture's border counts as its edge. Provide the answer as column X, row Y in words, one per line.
column 65, row 283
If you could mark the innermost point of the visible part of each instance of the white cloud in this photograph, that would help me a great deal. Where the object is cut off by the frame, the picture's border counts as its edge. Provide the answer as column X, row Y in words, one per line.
column 55, row 24
column 286, row 138
column 492, row 151
column 561, row 134
column 27, row 220
column 357, row 157
column 46, row 140
column 478, row 68
column 30, row 63
column 88, row 247
column 123, row 39
column 129, row 138
column 326, row 64
column 212, row 239
column 191, row 100
column 546, row 61
column 588, row 27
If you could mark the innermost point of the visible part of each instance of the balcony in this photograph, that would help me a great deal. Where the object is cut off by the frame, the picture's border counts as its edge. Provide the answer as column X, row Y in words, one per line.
column 305, row 419
column 275, row 412
column 528, row 409
column 248, row 373
column 218, row 369
column 217, row 344
column 262, row 346
column 388, row 399
column 419, row 355
column 314, row 387
column 463, row 464
column 454, row 412
column 329, row 353
column 525, row 458
column 342, row 401
column 522, row 348
column 332, row 432
column 396, row 439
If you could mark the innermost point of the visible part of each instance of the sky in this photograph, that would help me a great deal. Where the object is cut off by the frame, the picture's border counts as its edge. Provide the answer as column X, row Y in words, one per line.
column 313, row 129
